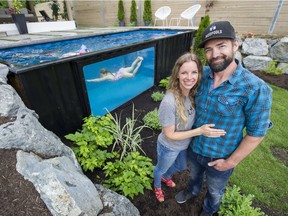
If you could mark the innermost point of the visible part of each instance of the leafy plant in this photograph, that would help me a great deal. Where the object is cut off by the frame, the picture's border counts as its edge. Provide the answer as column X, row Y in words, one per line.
column 133, row 13
column 164, row 82
column 272, row 68
column 147, row 13
column 130, row 176
column 127, row 137
column 64, row 15
column 205, row 22
column 157, row 96
column 121, row 12
column 91, row 142
column 3, row 4
column 55, row 7
column 151, row 119
column 233, row 203
column 17, row 5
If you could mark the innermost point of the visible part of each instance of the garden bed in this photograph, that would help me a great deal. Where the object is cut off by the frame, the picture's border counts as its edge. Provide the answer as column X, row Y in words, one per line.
column 19, row 197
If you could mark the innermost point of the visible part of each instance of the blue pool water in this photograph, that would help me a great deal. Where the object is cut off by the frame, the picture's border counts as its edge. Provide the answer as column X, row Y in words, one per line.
column 109, row 94
column 36, row 54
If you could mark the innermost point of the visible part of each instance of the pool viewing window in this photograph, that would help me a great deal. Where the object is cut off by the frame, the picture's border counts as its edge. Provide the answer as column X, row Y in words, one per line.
column 113, row 82
column 64, row 88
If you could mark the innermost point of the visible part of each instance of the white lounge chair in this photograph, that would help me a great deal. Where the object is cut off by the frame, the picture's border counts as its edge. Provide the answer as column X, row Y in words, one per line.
column 188, row 15
column 162, row 13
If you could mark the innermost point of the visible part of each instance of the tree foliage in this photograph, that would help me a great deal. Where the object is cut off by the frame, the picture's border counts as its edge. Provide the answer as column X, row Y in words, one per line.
column 55, row 7
column 121, row 12
column 147, row 13
column 205, row 22
column 133, row 12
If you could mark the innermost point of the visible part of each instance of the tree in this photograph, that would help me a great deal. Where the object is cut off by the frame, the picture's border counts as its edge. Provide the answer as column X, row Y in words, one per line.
column 121, row 12
column 205, row 22
column 147, row 14
column 133, row 13
column 64, row 15
column 55, row 7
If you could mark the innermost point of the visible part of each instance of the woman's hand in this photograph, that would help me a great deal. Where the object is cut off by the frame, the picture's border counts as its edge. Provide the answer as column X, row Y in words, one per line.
column 209, row 131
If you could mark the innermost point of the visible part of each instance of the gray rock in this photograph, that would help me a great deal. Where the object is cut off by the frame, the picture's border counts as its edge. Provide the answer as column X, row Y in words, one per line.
column 10, row 101
column 120, row 205
column 28, row 134
column 255, row 46
column 279, row 51
column 256, row 62
column 238, row 56
column 3, row 74
column 284, row 67
column 61, row 186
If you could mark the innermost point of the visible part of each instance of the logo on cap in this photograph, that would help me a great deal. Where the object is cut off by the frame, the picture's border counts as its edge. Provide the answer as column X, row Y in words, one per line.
column 213, row 31
column 212, row 28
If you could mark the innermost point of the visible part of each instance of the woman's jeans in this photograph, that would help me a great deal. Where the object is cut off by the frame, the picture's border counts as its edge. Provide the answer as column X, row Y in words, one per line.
column 216, row 180
column 169, row 162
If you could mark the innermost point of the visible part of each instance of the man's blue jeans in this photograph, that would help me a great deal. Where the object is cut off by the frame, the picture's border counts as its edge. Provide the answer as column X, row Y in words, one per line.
column 216, row 180
column 169, row 162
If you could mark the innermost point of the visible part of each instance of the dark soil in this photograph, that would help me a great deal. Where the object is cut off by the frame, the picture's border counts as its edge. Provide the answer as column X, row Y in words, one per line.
column 19, row 197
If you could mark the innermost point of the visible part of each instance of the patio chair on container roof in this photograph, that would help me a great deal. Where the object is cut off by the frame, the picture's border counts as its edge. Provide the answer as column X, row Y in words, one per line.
column 189, row 14
column 161, row 14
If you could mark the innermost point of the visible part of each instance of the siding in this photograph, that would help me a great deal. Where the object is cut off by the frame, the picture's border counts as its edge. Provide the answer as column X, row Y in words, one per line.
column 247, row 16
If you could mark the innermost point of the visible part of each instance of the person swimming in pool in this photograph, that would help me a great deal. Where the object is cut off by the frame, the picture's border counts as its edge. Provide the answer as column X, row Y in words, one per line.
column 83, row 49
column 126, row 72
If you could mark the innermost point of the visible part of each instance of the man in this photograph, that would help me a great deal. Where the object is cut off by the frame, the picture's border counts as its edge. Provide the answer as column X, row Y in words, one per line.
column 232, row 98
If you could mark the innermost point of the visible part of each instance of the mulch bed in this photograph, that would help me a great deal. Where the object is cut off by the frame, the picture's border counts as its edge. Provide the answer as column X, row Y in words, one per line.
column 19, row 197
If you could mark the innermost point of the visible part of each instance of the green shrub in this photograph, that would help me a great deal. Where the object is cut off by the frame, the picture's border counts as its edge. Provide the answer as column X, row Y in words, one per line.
column 147, row 13
column 121, row 12
column 151, row 119
column 130, row 176
column 272, row 68
column 157, row 96
column 132, row 173
column 133, row 13
column 164, row 82
column 92, row 141
column 205, row 22
column 233, row 203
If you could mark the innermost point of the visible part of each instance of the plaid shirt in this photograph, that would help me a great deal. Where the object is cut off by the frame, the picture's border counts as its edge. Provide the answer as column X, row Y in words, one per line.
column 243, row 101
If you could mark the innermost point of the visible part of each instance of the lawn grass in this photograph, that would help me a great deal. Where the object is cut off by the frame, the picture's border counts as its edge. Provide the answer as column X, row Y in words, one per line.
column 261, row 174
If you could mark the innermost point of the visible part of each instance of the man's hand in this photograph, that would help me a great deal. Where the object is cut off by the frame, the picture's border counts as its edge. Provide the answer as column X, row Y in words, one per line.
column 222, row 164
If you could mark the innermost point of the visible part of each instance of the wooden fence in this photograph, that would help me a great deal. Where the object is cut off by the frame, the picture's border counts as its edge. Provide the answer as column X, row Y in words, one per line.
column 256, row 16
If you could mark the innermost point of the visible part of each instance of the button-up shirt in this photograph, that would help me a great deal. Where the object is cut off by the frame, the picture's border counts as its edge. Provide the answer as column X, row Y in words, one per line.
column 242, row 101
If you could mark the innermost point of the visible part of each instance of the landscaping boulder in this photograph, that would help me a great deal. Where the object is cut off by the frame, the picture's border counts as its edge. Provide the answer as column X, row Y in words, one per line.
column 279, row 51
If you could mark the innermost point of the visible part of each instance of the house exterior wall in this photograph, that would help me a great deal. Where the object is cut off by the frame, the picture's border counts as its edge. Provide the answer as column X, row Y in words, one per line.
column 247, row 16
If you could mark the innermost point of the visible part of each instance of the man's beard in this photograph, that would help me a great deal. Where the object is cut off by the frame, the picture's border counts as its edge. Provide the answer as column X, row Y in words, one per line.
column 217, row 67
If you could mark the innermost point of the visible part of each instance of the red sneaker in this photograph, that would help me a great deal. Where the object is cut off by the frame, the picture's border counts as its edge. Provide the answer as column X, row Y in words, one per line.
column 159, row 194
column 169, row 182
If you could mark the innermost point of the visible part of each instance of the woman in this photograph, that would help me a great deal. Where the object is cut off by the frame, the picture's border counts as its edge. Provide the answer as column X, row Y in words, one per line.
column 122, row 72
column 82, row 50
column 177, row 115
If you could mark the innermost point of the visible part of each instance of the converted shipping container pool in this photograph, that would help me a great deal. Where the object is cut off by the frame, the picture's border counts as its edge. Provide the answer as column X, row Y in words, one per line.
column 63, row 91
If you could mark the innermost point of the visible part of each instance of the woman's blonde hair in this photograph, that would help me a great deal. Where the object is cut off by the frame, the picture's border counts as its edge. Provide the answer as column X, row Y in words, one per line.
column 174, row 85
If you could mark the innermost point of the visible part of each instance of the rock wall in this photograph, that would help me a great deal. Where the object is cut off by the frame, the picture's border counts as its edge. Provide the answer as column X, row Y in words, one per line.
column 256, row 53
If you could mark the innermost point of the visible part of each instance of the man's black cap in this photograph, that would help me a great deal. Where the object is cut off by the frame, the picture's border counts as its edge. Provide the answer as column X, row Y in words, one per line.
column 221, row 29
